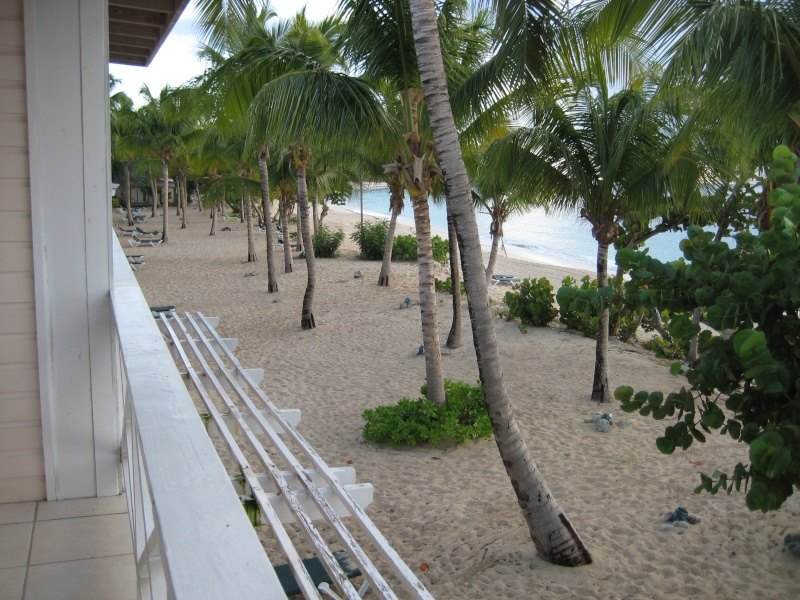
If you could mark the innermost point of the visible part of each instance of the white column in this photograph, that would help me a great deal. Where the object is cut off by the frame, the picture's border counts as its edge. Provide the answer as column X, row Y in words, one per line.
column 66, row 48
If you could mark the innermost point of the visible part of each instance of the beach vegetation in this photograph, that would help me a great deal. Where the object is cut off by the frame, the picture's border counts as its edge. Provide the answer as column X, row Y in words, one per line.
column 370, row 237
column 445, row 286
column 412, row 422
column 405, row 248
column 746, row 381
column 327, row 242
column 531, row 302
column 580, row 306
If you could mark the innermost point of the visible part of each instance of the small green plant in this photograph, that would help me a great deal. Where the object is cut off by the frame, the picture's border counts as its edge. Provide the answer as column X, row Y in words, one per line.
column 404, row 247
column 327, row 242
column 413, row 422
column 441, row 250
column 371, row 239
column 446, row 286
column 580, row 306
column 531, row 302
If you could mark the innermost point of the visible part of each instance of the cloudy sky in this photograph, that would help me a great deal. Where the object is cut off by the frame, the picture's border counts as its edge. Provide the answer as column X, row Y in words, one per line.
column 176, row 61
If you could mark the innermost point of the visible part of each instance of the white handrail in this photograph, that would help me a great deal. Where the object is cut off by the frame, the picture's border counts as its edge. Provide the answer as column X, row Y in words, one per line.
column 192, row 539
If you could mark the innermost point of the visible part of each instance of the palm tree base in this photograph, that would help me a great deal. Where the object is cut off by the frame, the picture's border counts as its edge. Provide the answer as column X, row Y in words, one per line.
column 272, row 288
column 307, row 321
column 383, row 281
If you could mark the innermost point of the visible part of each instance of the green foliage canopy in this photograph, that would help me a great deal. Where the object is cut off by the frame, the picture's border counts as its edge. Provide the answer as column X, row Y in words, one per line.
column 753, row 371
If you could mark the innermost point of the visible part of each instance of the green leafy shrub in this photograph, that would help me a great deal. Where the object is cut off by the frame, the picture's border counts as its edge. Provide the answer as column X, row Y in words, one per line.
column 412, row 422
column 404, row 247
column 754, row 373
column 441, row 248
column 371, row 239
column 531, row 302
column 580, row 306
column 446, row 286
column 327, row 242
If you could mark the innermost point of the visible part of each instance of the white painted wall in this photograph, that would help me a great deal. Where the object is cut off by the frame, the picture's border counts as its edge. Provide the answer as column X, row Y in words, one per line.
column 67, row 86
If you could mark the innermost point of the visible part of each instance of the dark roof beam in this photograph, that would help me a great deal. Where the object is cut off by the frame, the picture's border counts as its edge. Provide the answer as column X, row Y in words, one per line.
column 139, row 31
column 137, row 17
column 161, row 6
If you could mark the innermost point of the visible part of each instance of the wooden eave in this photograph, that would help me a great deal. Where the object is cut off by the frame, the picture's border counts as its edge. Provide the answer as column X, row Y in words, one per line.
column 137, row 28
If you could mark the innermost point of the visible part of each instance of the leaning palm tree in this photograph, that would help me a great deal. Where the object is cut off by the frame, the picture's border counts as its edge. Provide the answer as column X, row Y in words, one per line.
column 551, row 531
column 313, row 108
column 125, row 142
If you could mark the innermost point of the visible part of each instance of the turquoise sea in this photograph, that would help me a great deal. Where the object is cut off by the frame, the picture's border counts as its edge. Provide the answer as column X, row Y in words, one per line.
column 562, row 239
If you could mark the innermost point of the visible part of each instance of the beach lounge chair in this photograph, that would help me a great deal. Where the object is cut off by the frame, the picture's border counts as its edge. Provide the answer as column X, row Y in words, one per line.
column 124, row 232
column 167, row 310
column 135, row 264
column 140, row 218
column 136, row 240
column 505, row 279
column 143, row 232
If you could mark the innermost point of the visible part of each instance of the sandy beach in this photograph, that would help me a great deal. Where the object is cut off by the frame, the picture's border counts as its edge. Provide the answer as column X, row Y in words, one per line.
column 453, row 507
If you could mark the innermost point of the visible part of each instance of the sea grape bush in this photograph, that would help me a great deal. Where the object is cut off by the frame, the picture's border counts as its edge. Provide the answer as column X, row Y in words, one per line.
column 580, row 306
column 532, row 302
column 371, row 238
column 412, row 422
column 327, row 242
column 445, row 286
column 752, row 294
column 404, row 248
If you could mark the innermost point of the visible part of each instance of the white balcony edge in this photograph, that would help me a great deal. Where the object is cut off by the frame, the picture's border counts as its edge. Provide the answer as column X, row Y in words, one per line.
column 207, row 545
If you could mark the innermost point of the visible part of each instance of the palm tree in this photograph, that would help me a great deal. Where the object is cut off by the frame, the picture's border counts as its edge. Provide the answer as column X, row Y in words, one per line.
column 550, row 530
column 312, row 108
column 168, row 121
column 380, row 43
column 124, row 142
column 493, row 192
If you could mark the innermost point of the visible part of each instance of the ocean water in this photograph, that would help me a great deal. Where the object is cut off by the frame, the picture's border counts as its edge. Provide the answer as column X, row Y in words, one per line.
column 561, row 239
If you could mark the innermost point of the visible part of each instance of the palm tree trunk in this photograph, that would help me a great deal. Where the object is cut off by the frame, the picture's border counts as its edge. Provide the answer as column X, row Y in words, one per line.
column 213, row 222
column 315, row 206
column 307, row 315
column 165, row 201
column 153, row 191
column 286, row 209
column 601, row 386
column 248, row 217
column 396, row 205
column 299, row 237
column 497, row 233
column 184, row 200
column 127, row 166
column 454, row 337
column 549, row 528
column 272, row 276
column 434, row 374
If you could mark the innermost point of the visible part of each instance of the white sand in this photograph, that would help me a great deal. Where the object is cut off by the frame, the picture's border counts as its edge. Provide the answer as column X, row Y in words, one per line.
column 452, row 506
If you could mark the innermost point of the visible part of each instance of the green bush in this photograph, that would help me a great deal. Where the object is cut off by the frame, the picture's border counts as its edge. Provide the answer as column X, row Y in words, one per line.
column 745, row 385
column 446, row 286
column 404, row 247
column 531, row 302
column 371, row 239
column 327, row 242
column 412, row 422
column 580, row 306
column 441, row 249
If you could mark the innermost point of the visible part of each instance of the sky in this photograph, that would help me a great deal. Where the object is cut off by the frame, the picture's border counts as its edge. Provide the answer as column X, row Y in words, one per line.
column 176, row 60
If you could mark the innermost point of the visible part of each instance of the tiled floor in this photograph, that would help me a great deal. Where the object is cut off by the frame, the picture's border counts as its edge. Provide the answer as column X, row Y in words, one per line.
column 72, row 549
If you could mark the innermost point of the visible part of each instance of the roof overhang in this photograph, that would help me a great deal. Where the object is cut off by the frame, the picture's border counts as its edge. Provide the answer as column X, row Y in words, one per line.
column 137, row 28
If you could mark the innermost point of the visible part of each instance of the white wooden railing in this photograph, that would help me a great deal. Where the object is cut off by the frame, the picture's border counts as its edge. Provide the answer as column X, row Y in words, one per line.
column 192, row 540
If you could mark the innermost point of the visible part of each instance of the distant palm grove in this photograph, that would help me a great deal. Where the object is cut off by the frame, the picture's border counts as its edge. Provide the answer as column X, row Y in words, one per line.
column 640, row 116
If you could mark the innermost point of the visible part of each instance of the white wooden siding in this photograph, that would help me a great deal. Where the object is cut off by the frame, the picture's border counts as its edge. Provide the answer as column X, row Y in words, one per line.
column 21, row 454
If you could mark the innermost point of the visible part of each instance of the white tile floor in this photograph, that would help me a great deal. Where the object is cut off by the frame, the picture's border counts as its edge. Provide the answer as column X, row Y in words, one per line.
column 72, row 549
